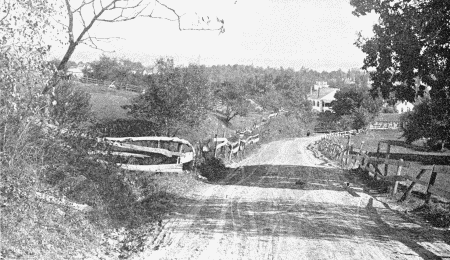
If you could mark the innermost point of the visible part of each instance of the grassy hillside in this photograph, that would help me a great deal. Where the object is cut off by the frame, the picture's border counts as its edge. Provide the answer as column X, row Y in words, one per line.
column 106, row 102
column 106, row 105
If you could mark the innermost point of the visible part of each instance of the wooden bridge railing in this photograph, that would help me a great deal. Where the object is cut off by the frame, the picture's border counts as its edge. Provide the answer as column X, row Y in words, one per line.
column 141, row 147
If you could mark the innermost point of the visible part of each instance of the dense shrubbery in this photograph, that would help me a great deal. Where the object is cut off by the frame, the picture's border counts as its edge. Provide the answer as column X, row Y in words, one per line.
column 213, row 169
column 353, row 109
column 286, row 125
column 428, row 120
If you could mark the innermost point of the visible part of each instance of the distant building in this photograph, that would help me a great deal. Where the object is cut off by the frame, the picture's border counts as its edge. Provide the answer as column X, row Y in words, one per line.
column 321, row 96
column 403, row 107
column 75, row 72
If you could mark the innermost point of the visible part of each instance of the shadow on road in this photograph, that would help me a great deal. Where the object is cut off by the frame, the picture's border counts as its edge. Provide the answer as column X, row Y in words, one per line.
column 287, row 177
column 308, row 219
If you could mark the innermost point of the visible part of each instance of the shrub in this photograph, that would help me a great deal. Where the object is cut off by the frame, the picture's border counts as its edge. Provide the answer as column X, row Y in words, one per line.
column 389, row 110
column 428, row 120
column 287, row 125
column 72, row 105
column 213, row 169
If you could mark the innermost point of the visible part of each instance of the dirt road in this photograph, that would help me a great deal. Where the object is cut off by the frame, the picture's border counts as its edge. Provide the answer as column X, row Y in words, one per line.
column 284, row 203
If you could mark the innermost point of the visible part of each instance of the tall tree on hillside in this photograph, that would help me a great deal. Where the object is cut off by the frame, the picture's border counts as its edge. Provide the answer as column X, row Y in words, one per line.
column 410, row 51
column 80, row 17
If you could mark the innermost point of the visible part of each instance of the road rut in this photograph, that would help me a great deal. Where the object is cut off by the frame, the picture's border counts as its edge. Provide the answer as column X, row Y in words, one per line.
column 284, row 203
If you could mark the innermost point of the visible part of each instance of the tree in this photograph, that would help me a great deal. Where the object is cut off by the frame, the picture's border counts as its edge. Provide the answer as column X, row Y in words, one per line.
column 410, row 54
column 355, row 105
column 82, row 16
column 173, row 100
column 349, row 99
column 23, row 70
column 232, row 99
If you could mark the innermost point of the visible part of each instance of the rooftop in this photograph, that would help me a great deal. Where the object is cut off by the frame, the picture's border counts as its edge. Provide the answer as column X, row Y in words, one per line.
column 321, row 93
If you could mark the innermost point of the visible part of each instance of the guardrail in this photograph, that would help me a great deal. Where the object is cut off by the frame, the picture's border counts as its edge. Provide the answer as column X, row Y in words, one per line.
column 142, row 147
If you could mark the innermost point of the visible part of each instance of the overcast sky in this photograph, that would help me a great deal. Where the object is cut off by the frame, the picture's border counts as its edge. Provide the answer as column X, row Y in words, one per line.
column 315, row 34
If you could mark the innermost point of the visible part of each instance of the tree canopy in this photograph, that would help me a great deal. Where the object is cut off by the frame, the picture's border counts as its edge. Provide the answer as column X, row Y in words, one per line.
column 410, row 48
column 410, row 52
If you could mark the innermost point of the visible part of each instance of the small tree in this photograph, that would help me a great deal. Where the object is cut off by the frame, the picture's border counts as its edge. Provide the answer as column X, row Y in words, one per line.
column 232, row 99
column 427, row 120
column 170, row 102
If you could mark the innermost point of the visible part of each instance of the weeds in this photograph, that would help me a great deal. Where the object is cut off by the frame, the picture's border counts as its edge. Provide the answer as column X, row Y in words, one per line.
column 213, row 169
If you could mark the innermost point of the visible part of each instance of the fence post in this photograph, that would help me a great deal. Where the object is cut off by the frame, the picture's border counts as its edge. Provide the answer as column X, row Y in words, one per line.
column 410, row 188
column 348, row 149
column 350, row 163
column 378, row 149
column 361, row 146
column 386, row 165
column 180, row 150
column 341, row 156
column 431, row 183
column 215, row 145
column 200, row 148
column 399, row 171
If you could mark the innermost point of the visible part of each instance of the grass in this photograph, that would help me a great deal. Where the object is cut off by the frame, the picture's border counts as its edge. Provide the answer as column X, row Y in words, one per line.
column 106, row 103
column 438, row 213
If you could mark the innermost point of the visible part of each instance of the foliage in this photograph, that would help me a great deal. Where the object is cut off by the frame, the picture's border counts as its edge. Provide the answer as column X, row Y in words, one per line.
column 80, row 17
column 410, row 43
column 427, row 120
column 174, row 100
column 121, row 71
column 232, row 99
column 71, row 105
column 388, row 110
column 355, row 108
column 286, row 125
column 213, row 169
column 410, row 54
column 349, row 99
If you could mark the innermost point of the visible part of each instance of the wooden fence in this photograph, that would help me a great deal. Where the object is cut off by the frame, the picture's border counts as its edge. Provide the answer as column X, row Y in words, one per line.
column 350, row 157
column 141, row 147
column 112, row 84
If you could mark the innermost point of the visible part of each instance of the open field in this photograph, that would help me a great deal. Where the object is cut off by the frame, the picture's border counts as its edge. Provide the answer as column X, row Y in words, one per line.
column 106, row 102
column 106, row 105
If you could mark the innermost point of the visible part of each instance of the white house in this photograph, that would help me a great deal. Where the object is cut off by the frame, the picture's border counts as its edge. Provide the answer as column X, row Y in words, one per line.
column 321, row 96
column 75, row 71
column 402, row 107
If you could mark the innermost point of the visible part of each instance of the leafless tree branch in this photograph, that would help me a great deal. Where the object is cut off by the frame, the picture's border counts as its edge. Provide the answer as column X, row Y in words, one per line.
column 7, row 8
column 221, row 29
column 83, row 4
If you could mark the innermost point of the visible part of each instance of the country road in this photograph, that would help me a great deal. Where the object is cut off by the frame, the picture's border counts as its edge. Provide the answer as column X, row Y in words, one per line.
column 283, row 203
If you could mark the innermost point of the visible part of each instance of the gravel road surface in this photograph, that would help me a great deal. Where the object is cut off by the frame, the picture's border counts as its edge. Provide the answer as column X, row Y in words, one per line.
column 284, row 203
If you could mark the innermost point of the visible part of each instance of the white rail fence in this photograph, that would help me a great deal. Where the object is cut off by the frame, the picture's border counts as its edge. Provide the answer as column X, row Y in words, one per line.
column 142, row 147
column 173, row 147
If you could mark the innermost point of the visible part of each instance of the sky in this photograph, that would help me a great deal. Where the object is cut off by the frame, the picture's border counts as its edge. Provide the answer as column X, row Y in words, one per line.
column 314, row 34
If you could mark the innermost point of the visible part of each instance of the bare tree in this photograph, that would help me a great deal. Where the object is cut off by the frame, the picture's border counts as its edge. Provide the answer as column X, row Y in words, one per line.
column 90, row 12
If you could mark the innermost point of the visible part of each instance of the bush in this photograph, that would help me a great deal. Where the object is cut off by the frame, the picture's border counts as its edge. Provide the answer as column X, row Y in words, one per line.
column 213, row 169
column 72, row 105
column 287, row 125
column 389, row 110
column 124, row 128
column 428, row 120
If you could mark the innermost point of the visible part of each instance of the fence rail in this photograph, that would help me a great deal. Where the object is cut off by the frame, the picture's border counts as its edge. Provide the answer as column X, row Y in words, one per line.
column 139, row 147
column 112, row 84
column 349, row 157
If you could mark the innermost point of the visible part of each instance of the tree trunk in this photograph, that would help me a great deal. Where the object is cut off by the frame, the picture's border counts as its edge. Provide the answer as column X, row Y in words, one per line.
column 60, row 67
